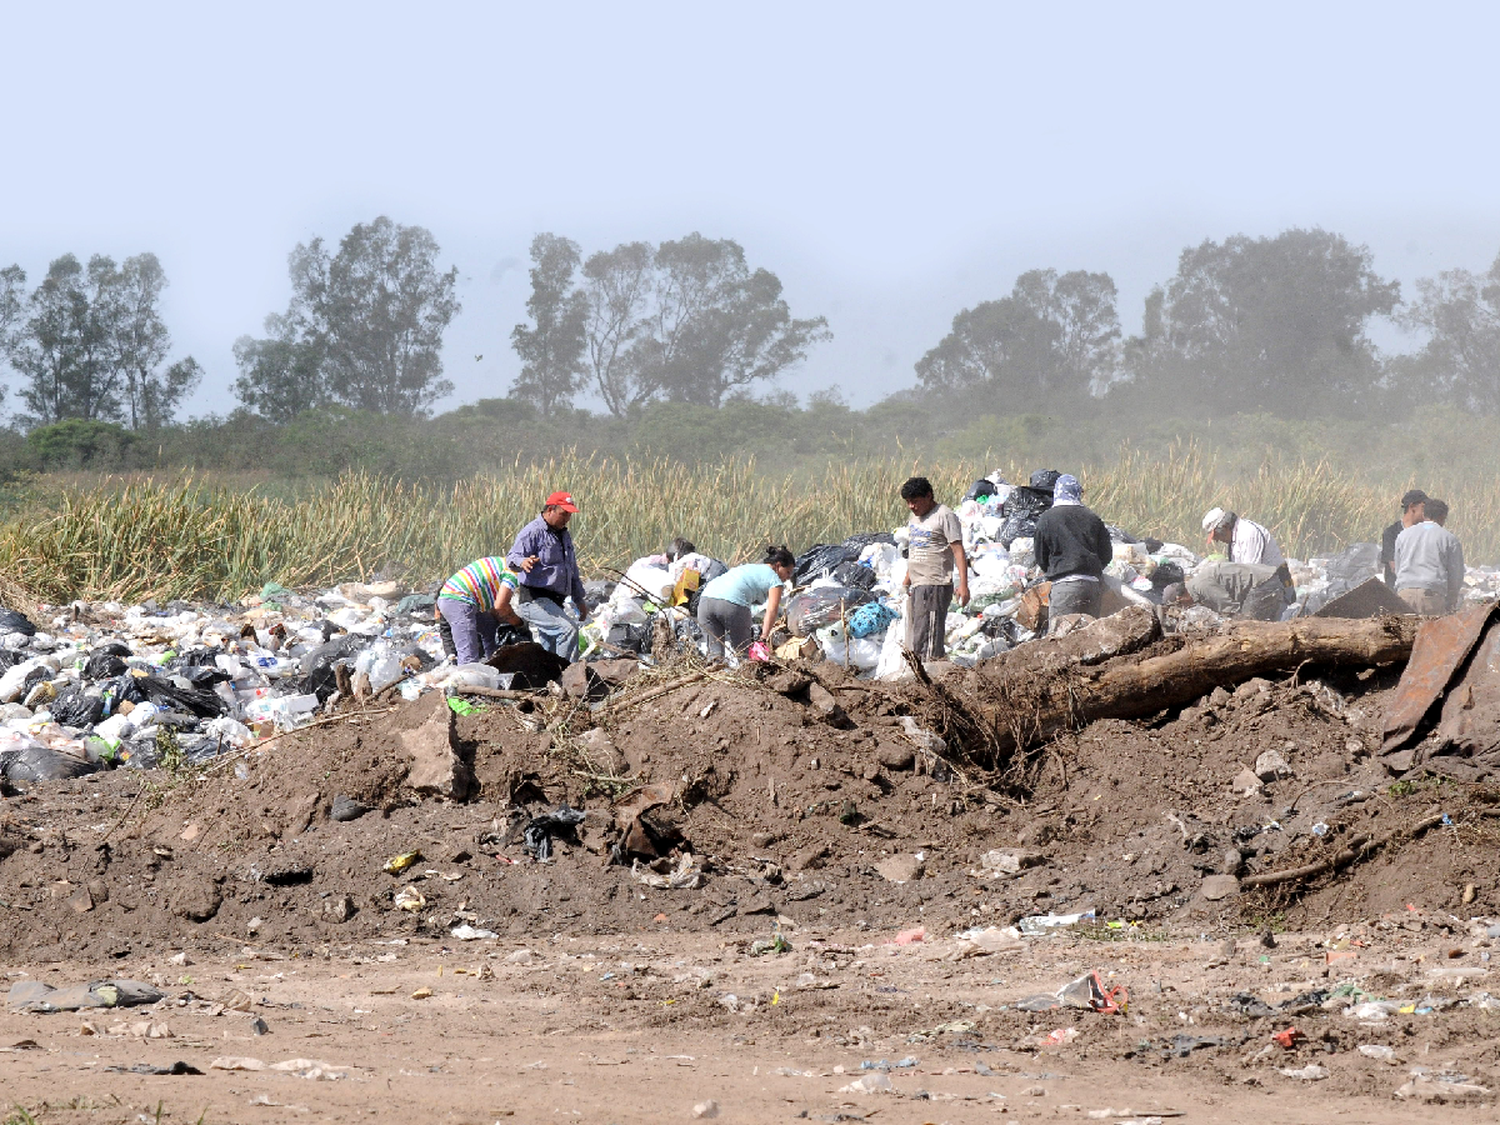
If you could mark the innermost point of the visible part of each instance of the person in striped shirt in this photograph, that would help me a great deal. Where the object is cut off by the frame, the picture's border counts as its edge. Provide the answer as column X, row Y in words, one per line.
column 473, row 604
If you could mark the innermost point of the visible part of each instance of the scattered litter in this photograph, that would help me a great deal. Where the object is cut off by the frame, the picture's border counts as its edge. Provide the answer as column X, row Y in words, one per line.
column 1089, row 992
column 876, row 1083
column 35, row 996
column 1312, row 1072
column 399, row 863
column 687, row 875
column 1034, row 925
column 466, row 932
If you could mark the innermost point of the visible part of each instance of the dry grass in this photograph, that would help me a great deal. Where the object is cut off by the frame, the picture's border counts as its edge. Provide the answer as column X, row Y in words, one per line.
column 139, row 537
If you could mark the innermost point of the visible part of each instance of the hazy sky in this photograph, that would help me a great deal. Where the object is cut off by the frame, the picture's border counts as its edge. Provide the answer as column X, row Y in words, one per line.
column 892, row 164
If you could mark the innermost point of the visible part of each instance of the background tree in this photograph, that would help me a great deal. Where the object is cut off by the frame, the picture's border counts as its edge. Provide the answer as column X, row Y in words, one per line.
column 552, row 353
column 1460, row 363
column 1267, row 325
column 371, row 318
column 618, row 284
column 142, row 344
column 65, row 343
column 1047, row 345
column 687, row 322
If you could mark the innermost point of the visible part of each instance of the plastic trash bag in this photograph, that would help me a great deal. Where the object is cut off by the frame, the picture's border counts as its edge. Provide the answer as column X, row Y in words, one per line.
column 871, row 620
column 1044, row 480
column 812, row 609
column 855, row 575
column 14, row 621
column 42, row 763
column 851, row 652
column 318, row 665
column 75, row 707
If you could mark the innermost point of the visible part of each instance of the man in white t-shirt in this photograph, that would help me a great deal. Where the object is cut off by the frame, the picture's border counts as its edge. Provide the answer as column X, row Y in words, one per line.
column 935, row 554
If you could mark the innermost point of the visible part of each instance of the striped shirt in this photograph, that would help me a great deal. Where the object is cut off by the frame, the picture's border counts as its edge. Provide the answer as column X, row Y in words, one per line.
column 479, row 583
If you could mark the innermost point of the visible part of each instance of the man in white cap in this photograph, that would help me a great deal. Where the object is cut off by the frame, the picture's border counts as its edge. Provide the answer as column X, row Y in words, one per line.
column 1245, row 541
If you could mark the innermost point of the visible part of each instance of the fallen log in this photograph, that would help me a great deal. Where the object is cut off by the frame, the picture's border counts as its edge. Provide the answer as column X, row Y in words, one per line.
column 1024, row 706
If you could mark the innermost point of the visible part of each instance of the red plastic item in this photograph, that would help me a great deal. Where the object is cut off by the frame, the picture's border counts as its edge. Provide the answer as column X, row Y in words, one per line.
column 759, row 651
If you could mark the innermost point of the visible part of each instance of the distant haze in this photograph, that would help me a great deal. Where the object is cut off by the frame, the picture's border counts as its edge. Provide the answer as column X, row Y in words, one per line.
column 892, row 164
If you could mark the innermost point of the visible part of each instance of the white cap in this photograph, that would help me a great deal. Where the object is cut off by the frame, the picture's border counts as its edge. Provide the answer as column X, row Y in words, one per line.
column 1211, row 520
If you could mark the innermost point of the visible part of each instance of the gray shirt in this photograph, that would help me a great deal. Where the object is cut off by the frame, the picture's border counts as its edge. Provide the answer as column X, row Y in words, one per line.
column 1430, row 557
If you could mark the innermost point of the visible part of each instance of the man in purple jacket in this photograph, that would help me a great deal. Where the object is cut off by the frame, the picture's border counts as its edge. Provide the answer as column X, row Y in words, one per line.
column 543, row 557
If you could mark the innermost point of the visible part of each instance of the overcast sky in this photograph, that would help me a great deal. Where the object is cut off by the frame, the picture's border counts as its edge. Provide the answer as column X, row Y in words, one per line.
column 891, row 163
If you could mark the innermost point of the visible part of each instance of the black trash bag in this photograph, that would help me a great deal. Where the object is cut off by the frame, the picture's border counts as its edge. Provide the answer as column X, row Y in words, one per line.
column 416, row 605
column 539, row 830
column 1119, row 535
column 597, row 591
column 1152, row 545
column 75, row 707
column 1354, row 565
column 689, row 633
column 123, row 688
column 204, row 675
column 171, row 697
column 203, row 749
column 862, row 539
column 14, row 621
column 819, row 560
column 317, row 665
column 854, row 575
column 630, row 638
column 138, row 754
column 1166, row 573
column 103, row 666
column 823, row 605
column 41, row 763
column 981, row 488
column 1044, row 480
column 1017, row 527
column 10, row 657
column 40, row 674
column 114, row 648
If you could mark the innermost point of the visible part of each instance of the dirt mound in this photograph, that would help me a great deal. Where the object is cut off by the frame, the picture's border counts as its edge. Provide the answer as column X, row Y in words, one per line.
column 801, row 794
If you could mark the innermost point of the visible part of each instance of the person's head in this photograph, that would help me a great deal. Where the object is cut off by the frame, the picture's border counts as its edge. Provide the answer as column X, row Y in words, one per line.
column 917, row 492
column 679, row 547
column 1067, row 490
column 782, row 561
column 558, row 509
column 1413, row 507
column 1219, row 524
column 1437, row 511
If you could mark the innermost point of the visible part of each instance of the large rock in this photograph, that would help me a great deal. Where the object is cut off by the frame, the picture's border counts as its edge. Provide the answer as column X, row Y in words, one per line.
column 1217, row 887
column 1271, row 766
column 901, row 868
column 436, row 769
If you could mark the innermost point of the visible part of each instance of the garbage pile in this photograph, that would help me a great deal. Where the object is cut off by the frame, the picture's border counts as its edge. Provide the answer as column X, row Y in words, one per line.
column 107, row 685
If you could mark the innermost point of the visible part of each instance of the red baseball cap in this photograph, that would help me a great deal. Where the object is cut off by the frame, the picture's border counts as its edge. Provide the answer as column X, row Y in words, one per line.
column 563, row 500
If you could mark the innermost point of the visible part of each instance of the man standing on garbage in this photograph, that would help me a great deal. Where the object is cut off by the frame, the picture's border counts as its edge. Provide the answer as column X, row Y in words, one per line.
column 1429, row 562
column 935, row 552
column 1245, row 540
column 1415, row 498
column 548, row 569
column 1072, row 548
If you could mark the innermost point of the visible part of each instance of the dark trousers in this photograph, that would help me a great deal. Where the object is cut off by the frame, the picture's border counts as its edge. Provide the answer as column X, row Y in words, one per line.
column 926, row 620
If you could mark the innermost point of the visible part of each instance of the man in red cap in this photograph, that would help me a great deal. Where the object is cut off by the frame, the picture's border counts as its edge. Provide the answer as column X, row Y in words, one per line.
column 543, row 557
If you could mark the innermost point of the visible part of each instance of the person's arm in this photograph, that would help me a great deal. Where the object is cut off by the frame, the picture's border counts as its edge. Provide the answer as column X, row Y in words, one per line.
column 523, row 552
column 1104, row 546
column 503, row 609
column 961, row 562
column 773, row 607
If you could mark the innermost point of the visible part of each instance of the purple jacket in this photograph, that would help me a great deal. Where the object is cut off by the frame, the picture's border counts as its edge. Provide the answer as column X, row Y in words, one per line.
column 556, row 570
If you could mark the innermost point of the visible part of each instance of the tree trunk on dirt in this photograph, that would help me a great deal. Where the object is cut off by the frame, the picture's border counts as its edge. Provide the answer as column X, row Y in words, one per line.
column 1023, row 708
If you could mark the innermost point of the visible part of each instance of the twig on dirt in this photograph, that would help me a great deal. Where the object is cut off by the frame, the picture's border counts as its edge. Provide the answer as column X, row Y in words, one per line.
column 622, row 702
column 492, row 693
column 126, row 814
column 1356, row 849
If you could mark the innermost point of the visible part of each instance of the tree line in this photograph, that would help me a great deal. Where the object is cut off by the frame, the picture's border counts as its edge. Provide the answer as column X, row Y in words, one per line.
column 1246, row 326
column 1273, row 325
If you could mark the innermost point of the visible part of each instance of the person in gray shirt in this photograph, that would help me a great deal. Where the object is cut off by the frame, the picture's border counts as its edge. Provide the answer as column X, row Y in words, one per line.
column 1430, row 563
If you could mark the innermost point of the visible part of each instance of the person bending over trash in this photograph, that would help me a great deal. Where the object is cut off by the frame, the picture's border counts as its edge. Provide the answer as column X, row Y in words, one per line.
column 1245, row 540
column 1072, row 548
column 1415, row 498
column 1260, row 592
column 547, row 567
column 471, row 607
column 934, row 553
column 724, row 604
column 1429, row 562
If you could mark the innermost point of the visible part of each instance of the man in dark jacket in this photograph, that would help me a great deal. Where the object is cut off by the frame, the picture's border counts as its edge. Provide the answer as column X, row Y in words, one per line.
column 1072, row 548
column 1413, row 510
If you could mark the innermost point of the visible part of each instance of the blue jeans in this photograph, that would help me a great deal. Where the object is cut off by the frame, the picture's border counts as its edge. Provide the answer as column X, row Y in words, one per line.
column 554, row 630
column 473, row 631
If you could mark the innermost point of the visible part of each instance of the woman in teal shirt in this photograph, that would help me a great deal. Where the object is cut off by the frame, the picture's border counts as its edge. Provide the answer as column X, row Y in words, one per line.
column 724, row 607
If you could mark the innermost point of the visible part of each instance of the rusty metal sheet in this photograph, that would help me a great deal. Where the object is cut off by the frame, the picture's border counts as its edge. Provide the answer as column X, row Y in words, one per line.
column 1368, row 599
column 1470, row 709
column 1442, row 645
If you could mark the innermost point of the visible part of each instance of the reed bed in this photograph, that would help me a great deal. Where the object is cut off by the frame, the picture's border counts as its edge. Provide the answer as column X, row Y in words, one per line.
column 130, row 539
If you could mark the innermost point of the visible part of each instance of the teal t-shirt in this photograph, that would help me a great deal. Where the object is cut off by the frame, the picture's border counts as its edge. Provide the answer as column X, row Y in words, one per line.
column 746, row 585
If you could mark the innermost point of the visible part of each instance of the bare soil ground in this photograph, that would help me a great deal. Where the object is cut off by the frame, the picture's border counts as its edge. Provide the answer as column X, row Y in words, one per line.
column 813, row 813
